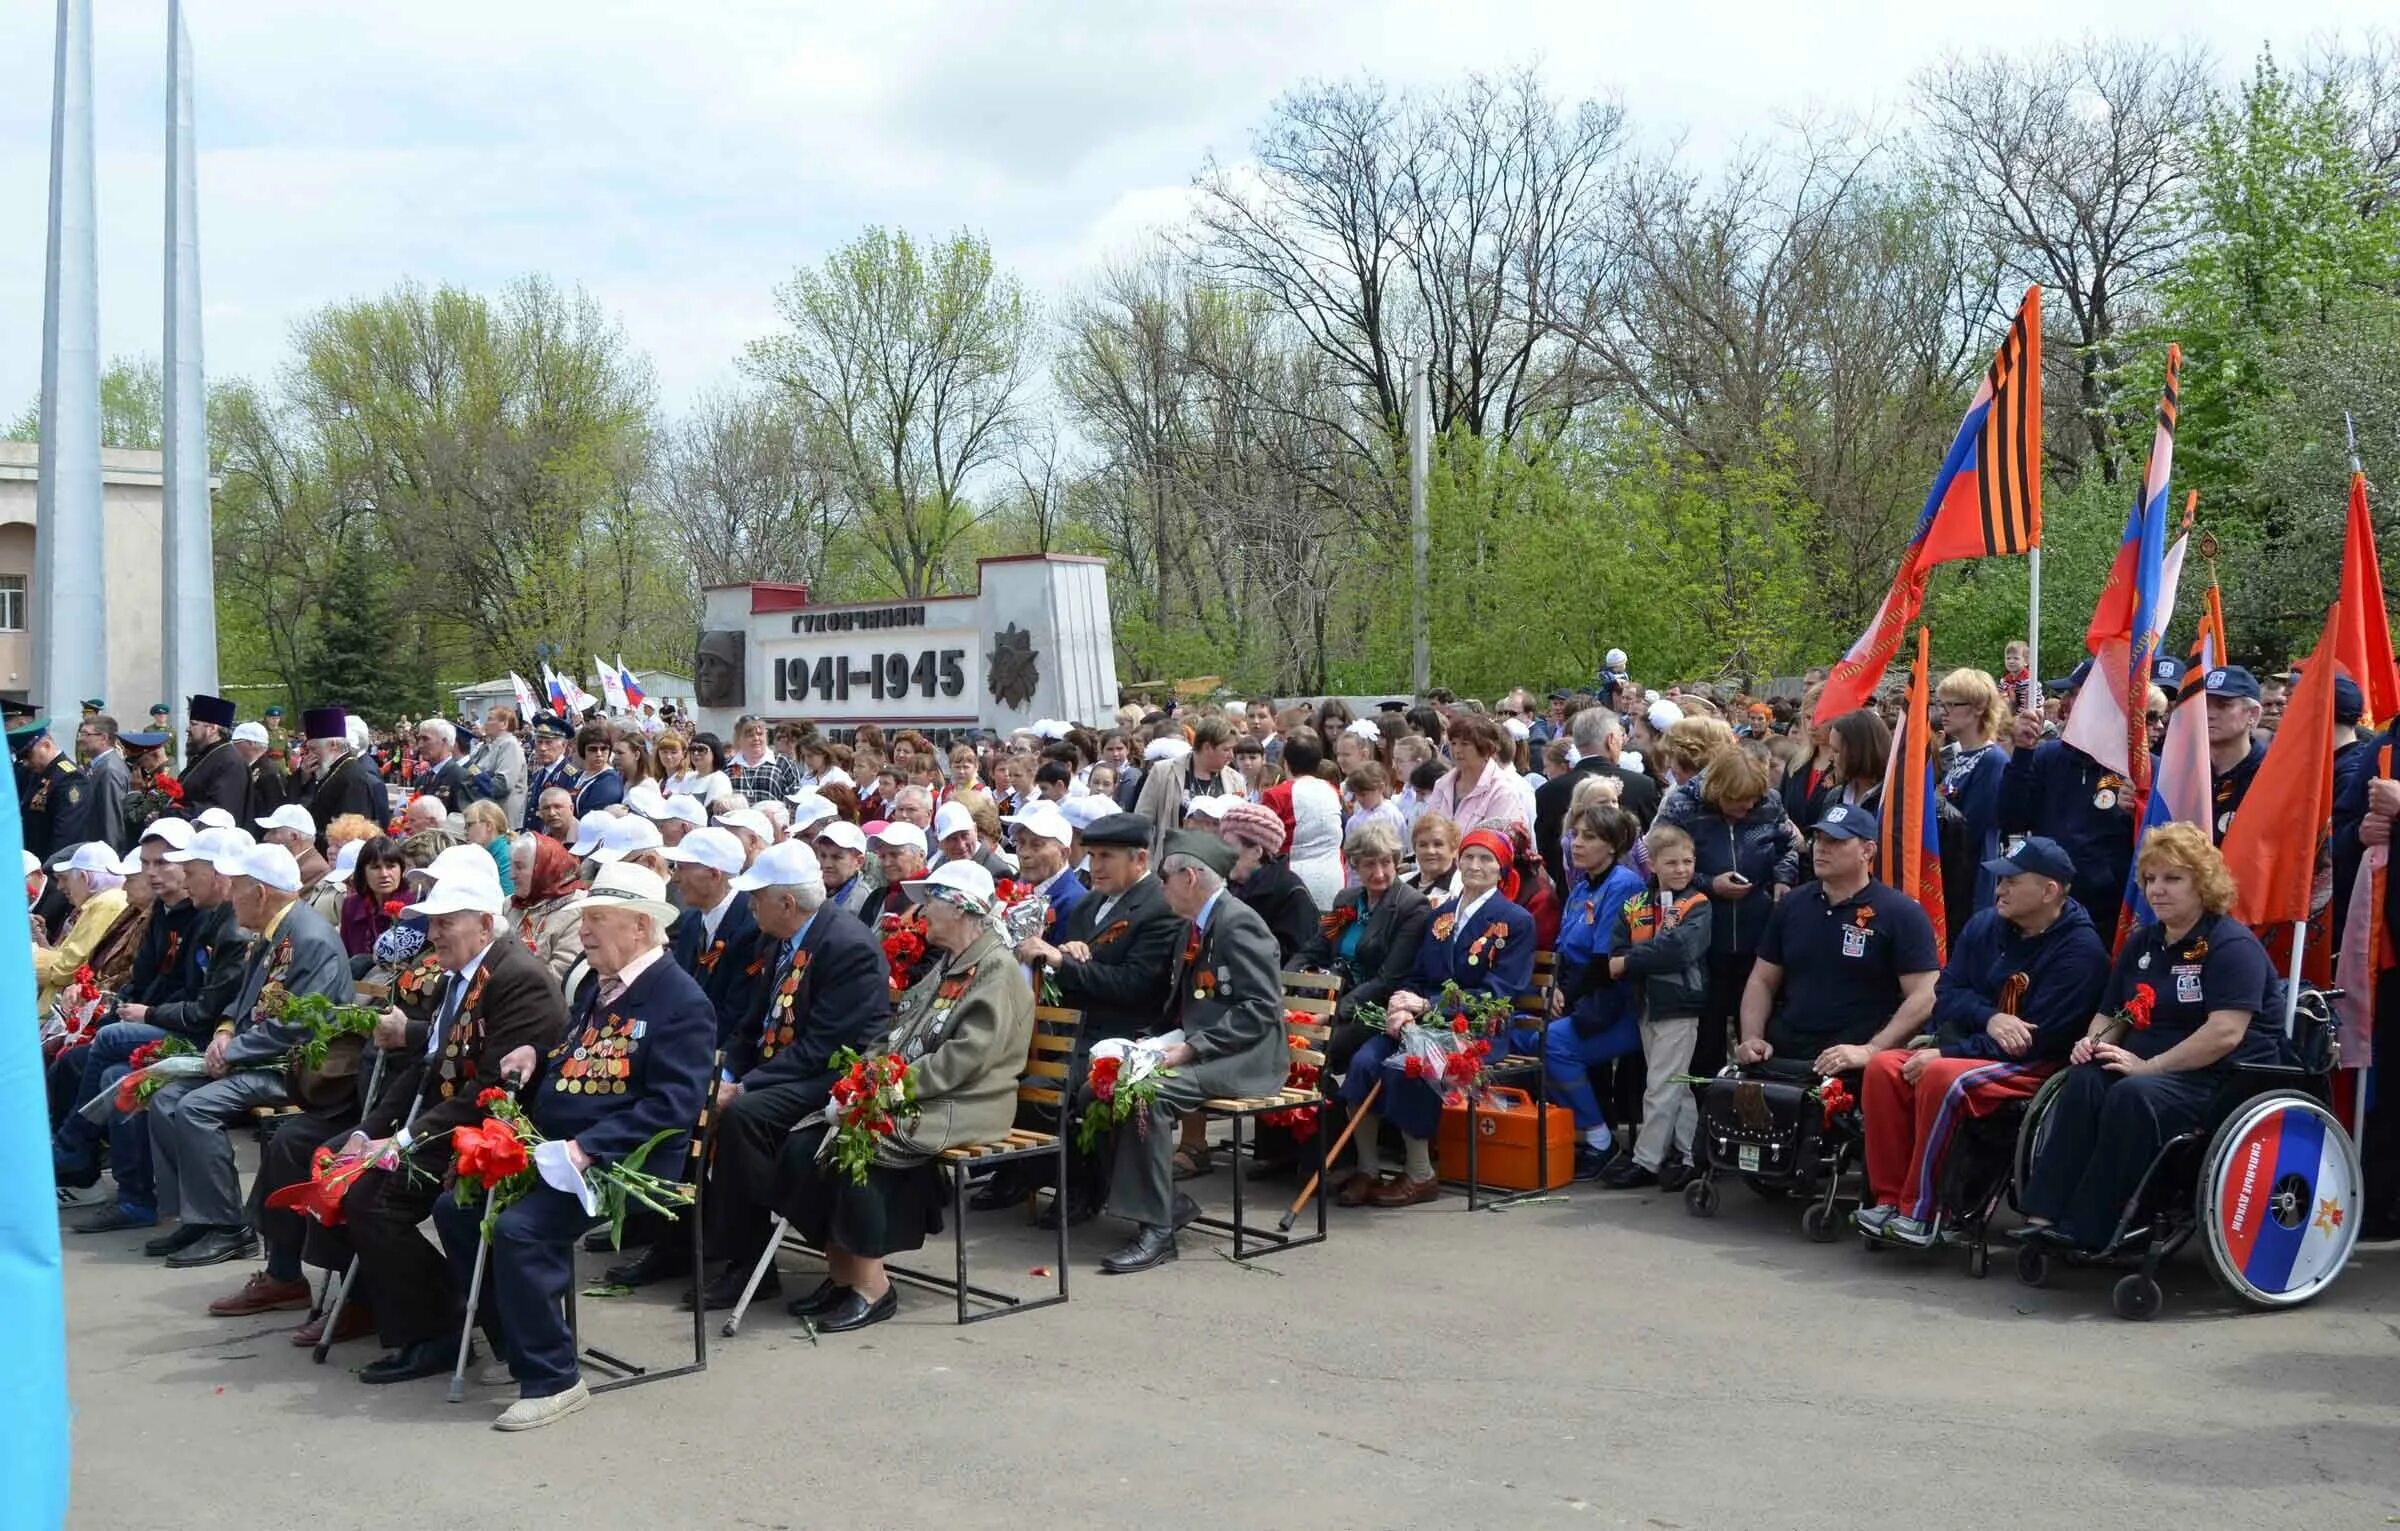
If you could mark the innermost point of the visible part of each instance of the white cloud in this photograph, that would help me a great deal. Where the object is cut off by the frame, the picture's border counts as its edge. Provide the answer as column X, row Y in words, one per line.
column 680, row 160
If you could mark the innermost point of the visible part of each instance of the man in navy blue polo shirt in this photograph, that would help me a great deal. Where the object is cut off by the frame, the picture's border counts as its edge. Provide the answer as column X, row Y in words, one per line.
column 1851, row 959
column 2233, row 755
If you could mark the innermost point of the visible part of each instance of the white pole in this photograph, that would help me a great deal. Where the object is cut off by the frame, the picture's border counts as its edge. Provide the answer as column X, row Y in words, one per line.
column 2033, row 617
column 1420, row 468
column 69, row 598
column 190, row 586
column 2291, row 989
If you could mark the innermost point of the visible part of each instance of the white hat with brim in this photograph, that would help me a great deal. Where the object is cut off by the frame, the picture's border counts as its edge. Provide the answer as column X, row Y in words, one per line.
column 220, row 848
column 900, row 835
column 251, row 733
column 131, row 864
column 269, row 866
column 835, row 776
column 290, row 816
column 175, row 834
column 687, row 808
column 1042, row 818
column 629, row 836
column 1084, row 808
column 345, row 859
column 809, row 806
column 591, row 832
column 457, row 861
column 464, row 890
column 215, row 818
column 788, row 864
column 710, row 847
column 749, row 820
column 844, row 834
column 93, row 856
column 1204, row 807
column 628, row 886
column 645, row 799
column 962, row 884
column 954, row 818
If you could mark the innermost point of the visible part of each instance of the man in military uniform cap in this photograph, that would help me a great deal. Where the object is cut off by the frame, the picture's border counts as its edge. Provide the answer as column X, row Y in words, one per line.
column 58, row 801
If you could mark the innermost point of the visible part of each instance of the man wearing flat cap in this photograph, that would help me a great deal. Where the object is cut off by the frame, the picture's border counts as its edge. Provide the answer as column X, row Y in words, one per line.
column 213, row 774
column 1226, row 996
column 55, row 799
column 1112, row 957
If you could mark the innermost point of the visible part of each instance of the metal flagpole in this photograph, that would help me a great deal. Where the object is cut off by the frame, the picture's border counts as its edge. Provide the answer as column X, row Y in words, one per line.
column 2033, row 617
column 2358, row 1095
column 189, row 587
column 69, row 593
column 1420, row 467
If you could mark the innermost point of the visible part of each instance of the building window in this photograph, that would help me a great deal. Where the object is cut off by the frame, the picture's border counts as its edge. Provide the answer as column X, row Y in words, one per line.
column 12, row 603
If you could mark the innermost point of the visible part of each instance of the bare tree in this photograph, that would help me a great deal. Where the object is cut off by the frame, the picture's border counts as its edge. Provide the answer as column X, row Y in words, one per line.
column 744, row 496
column 2067, row 161
column 912, row 363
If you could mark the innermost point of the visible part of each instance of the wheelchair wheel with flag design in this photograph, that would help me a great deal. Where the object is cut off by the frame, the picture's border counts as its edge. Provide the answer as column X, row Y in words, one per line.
column 2279, row 1199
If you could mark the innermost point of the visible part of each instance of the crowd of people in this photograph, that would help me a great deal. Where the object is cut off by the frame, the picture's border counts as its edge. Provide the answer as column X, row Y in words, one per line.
column 620, row 920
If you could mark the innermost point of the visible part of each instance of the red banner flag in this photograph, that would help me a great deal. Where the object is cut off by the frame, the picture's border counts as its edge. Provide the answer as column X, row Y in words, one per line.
column 2364, row 648
column 2272, row 847
column 1909, row 843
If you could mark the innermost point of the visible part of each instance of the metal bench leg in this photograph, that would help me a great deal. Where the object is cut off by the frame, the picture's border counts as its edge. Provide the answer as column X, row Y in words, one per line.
column 958, row 1240
column 1239, row 1223
column 333, row 1314
column 758, row 1273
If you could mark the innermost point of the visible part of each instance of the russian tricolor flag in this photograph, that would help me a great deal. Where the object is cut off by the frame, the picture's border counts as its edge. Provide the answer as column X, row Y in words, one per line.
column 2131, row 620
column 634, row 694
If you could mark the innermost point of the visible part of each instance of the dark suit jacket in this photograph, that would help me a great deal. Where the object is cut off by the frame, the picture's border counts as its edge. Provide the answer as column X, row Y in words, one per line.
column 644, row 1069
column 511, row 1003
column 1281, row 899
column 721, row 966
column 1387, row 947
column 1122, row 991
column 270, row 788
column 218, row 779
column 1639, row 797
column 350, row 787
column 1229, row 998
column 843, row 999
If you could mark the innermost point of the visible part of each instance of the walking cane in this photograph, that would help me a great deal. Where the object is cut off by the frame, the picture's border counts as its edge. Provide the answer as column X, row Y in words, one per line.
column 1308, row 1192
column 483, row 1250
column 758, row 1273
column 341, row 1294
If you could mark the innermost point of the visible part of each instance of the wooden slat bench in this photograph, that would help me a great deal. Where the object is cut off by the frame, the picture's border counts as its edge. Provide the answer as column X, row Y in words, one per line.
column 1250, row 1242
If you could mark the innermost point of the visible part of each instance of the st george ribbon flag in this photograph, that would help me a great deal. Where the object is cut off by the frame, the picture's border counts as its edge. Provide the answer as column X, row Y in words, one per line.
column 1985, row 502
column 33, row 1360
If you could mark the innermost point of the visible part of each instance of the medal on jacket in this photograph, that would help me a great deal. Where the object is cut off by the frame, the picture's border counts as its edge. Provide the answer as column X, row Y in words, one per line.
column 777, row 1033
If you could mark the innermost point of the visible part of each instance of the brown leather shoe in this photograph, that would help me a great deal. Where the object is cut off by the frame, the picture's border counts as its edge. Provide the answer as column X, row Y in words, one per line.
column 262, row 1293
column 357, row 1319
column 1356, row 1190
column 1399, row 1192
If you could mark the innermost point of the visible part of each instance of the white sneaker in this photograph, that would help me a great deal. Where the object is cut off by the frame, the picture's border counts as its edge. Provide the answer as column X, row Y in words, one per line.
column 1875, row 1219
column 533, row 1413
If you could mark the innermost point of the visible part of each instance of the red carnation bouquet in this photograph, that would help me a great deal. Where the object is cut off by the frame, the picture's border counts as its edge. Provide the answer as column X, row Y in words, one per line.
column 1448, row 1045
column 495, row 1156
column 1299, row 1121
column 2138, row 1005
column 1835, row 1097
column 74, row 1014
column 147, row 1078
column 1122, row 1082
column 904, row 949
column 868, row 1101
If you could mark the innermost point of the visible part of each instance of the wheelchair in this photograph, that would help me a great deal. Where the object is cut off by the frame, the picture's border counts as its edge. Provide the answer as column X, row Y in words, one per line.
column 1763, row 1124
column 2270, row 1183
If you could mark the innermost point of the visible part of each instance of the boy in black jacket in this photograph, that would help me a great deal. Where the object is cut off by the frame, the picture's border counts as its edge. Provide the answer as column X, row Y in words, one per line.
column 1662, row 940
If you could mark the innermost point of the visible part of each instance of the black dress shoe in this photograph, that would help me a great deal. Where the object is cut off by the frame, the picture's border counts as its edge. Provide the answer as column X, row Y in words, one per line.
column 855, row 1312
column 168, row 1243
column 822, row 1299
column 999, row 1193
column 1186, row 1211
column 1079, row 1212
column 426, row 1358
column 1626, row 1175
column 597, row 1242
column 215, row 1247
column 668, row 1258
column 726, row 1289
column 1151, row 1246
column 114, row 1218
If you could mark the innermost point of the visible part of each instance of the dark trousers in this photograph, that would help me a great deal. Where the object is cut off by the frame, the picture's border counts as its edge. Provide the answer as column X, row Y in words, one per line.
column 111, row 1045
column 414, row 1297
column 741, row 1186
column 523, row 1309
column 2379, row 1199
column 289, row 1159
column 63, row 1073
column 2103, row 1131
column 1728, row 975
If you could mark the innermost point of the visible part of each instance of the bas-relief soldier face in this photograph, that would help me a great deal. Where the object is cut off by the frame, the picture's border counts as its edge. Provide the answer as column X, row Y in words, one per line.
column 720, row 673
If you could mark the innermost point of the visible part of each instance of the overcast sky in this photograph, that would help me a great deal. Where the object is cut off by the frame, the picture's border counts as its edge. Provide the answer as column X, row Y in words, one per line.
column 679, row 159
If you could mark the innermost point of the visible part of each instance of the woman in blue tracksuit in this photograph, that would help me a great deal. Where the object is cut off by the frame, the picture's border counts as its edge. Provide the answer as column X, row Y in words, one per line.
column 1482, row 942
column 1972, row 715
column 1596, row 1019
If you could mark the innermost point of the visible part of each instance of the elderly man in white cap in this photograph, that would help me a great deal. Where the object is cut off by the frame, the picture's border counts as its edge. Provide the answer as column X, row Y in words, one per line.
column 291, row 827
column 1043, row 839
column 293, row 950
column 714, row 939
column 751, row 827
column 496, row 1000
column 823, row 986
column 632, row 1064
column 842, row 852
column 97, row 895
column 955, row 833
column 270, row 789
column 678, row 816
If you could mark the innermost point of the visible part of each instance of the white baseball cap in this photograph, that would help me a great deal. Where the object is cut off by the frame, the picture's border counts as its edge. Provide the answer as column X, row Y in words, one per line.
column 457, row 861
column 808, row 806
column 645, row 799
column 1084, row 807
column 748, row 819
column 1042, row 817
column 900, row 834
column 220, row 848
column 787, row 863
column 131, row 865
column 953, row 817
column 345, row 859
column 33, row 864
column 290, row 816
column 962, row 882
column 844, row 834
column 627, row 835
column 687, row 808
column 591, row 832
column 464, row 887
column 177, row 833
column 627, row 885
column 835, row 776
column 271, row 865
column 711, row 847
column 250, row 733
column 93, row 856
column 215, row 818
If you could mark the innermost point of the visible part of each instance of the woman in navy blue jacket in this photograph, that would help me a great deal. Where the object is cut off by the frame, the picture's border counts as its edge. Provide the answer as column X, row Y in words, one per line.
column 1596, row 1019
column 1972, row 715
column 1483, row 943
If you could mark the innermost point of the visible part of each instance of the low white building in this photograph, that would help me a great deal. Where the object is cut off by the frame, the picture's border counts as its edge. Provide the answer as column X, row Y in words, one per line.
column 134, row 558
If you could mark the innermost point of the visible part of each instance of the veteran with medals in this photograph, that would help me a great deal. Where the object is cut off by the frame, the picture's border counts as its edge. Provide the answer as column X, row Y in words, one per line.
column 632, row 1064
column 496, row 999
column 963, row 1030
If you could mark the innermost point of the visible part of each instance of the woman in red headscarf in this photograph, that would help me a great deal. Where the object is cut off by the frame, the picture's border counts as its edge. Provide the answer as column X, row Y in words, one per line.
column 1483, row 942
column 546, row 880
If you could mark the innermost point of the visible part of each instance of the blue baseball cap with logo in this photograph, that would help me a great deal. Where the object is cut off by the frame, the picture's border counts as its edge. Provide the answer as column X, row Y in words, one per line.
column 2038, row 854
column 2069, row 681
column 2232, row 681
column 1847, row 821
